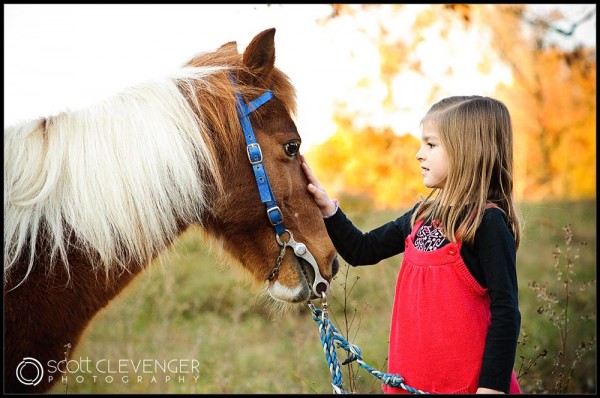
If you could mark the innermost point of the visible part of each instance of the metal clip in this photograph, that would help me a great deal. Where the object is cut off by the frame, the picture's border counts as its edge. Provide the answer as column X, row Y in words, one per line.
column 325, row 305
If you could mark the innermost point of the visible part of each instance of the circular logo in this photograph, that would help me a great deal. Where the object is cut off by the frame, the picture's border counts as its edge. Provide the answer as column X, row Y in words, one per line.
column 30, row 371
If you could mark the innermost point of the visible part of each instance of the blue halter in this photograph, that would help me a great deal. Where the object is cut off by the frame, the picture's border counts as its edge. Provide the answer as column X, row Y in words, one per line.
column 256, row 160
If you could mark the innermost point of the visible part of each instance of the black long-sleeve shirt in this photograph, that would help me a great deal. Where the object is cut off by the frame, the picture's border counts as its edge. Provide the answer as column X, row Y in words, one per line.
column 491, row 259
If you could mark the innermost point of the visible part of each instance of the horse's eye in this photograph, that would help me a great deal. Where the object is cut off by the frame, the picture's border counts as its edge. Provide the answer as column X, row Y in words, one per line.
column 292, row 148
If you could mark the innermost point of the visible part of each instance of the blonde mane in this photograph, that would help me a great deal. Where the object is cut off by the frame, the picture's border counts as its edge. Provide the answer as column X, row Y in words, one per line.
column 120, row 176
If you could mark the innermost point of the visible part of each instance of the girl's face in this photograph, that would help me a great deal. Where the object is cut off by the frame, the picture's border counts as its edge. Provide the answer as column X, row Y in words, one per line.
column 432, row 157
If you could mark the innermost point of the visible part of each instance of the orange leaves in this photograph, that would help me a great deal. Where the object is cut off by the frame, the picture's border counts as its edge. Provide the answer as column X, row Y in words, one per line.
column 429, row 52
column 374, row 163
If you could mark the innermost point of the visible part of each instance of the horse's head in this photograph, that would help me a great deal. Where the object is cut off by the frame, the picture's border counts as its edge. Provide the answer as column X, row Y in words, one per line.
column 243, row 215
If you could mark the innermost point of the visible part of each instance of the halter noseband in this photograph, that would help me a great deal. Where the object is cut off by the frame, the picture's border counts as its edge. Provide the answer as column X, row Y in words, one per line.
column 320, row 285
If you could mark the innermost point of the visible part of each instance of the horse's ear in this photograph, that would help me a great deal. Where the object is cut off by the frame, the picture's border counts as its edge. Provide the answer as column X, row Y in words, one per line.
column 230, row 48
column 259, row 56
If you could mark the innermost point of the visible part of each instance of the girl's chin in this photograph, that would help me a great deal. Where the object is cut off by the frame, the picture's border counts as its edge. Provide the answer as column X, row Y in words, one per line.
column 432, row 186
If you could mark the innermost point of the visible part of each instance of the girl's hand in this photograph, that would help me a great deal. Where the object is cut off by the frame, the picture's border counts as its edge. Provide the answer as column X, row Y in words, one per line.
column 483, row 390
column 326, row 205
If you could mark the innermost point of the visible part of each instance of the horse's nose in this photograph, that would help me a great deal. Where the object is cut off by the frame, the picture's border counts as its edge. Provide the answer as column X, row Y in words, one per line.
column 335, row 266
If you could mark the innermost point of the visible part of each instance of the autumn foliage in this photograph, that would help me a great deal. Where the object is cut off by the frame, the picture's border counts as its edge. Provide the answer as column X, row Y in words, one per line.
column 369, row 163
column 550, row 91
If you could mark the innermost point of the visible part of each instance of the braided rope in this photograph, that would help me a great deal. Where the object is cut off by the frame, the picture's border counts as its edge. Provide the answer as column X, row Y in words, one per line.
column 329, row 334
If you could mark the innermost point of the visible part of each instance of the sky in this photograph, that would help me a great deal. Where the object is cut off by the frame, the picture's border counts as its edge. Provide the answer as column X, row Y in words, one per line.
column 59, row 57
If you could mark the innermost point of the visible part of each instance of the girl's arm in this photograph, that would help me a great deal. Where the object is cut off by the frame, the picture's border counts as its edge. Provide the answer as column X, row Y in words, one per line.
column 496, row 251
column 356, row 247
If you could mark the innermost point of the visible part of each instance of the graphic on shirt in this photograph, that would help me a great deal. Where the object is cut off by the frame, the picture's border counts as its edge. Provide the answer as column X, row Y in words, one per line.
column 430, row 237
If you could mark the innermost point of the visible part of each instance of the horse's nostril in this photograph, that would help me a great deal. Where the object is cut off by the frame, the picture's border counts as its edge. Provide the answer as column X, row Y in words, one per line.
column 335, row 266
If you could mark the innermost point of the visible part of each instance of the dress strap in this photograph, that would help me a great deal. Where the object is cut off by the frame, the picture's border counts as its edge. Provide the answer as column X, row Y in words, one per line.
column 490, row 205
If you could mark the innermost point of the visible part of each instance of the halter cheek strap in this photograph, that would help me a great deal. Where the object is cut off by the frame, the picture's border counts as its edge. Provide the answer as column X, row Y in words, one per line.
column 256, row 159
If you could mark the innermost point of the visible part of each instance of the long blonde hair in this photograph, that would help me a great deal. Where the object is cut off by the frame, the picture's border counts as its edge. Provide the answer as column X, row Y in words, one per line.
column 476, row 133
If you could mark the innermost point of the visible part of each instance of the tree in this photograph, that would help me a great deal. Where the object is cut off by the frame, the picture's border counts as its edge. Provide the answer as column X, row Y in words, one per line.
column 427, row 52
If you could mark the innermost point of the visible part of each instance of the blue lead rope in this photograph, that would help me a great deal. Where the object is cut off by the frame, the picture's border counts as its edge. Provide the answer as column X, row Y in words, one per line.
column 329, row 334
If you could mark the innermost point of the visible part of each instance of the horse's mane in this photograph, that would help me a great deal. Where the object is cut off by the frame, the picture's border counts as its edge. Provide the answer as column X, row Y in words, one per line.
column 120, row 177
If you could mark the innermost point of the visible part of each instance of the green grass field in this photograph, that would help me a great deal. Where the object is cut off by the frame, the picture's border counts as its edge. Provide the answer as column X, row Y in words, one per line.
column 195, row 312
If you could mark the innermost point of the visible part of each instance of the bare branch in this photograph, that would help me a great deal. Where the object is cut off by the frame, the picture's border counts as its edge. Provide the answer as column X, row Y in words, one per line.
column 543, row 23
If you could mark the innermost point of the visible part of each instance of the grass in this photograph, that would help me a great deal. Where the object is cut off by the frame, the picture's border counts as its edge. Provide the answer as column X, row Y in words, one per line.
column 194, row 308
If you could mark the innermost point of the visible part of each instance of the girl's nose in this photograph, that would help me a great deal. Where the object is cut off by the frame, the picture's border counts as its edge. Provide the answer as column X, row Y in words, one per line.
column 419, row 156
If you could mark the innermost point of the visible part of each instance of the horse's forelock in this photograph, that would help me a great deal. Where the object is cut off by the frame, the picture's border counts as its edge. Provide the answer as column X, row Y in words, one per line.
column 227, row 54
column 284, row 91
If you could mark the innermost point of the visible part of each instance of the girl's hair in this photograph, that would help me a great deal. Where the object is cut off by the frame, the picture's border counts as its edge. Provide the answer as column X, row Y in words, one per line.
column 476, row 133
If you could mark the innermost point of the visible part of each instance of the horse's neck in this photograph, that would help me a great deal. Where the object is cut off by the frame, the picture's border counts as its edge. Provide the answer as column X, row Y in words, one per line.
column 47, row 313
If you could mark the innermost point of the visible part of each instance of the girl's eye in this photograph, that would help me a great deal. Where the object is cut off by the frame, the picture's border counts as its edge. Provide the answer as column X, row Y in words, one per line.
column 292, row 148
column 430, row 145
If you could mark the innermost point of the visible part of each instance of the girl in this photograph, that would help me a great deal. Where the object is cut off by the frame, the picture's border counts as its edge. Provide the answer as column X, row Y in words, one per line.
column 455, row 320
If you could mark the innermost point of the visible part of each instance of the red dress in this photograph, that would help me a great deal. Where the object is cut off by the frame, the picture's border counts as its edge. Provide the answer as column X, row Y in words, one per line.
column 439, row 323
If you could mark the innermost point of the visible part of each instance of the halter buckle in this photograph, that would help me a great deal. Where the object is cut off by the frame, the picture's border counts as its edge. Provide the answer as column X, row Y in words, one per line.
column 275, row 216
column 254, row 153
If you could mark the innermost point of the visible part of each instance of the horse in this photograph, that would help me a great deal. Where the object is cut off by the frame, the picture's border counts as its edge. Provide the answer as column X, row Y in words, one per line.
column 93, row 196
